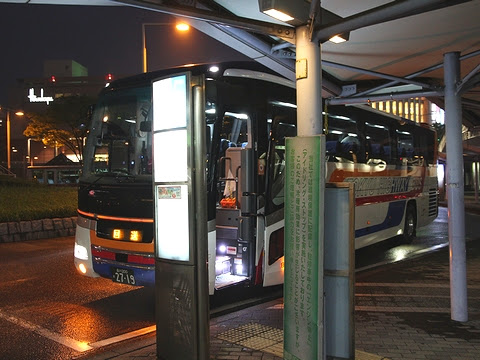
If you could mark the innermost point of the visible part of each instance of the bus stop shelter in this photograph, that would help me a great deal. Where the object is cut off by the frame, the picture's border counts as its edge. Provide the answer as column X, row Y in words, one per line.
column 390, row 51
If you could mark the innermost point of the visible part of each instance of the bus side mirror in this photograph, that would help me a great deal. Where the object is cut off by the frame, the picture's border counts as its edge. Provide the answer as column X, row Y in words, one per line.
column 146, row 126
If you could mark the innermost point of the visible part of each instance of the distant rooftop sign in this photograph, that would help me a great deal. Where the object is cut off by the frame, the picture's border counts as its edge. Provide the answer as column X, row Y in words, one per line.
column 41, row 98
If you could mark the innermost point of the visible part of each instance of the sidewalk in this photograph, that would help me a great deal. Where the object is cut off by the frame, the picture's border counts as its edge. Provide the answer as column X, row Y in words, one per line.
column 402, row 312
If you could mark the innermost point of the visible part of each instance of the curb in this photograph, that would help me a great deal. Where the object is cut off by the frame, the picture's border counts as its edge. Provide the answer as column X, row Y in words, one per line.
column 37, row 229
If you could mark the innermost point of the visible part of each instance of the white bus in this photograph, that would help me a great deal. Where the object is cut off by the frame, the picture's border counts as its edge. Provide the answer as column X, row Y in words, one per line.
column 248, row 115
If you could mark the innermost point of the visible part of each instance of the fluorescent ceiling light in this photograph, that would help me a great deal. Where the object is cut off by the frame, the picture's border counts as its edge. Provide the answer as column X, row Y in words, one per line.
column 278, row 15
column 337, row 39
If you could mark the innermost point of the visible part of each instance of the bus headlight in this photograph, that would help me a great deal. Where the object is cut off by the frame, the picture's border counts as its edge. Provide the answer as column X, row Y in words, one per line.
column 80, row 252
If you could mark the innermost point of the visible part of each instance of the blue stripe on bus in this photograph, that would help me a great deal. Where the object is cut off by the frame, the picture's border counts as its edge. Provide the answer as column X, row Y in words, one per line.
column 393, row 218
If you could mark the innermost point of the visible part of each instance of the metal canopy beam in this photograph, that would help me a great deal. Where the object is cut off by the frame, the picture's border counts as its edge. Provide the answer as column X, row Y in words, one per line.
column 375, row 73
column 237, row 38
column 383, row 97
column 285, row 32
column 391, row 11
column 415, row 74
column 470, row 81
column 247, row 44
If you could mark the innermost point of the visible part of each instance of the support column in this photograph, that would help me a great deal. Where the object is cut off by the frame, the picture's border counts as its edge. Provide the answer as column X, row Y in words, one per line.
column 309, row 84
column 308, row 72
column 9, row 148
column 304, row 211
column 455, row 189
column 475, row 167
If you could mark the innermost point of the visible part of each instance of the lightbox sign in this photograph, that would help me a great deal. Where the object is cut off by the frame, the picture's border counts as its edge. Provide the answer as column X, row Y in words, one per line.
column 34, row 98
column 171, row 167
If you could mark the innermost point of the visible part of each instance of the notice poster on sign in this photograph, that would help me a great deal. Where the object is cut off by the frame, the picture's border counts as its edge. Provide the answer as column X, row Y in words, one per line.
column 304, row 192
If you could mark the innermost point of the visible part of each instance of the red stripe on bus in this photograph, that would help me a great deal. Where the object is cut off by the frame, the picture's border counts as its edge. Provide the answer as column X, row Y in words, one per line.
column 339, row 175
column 139, row 259
column 386, row 198
column 109, row 255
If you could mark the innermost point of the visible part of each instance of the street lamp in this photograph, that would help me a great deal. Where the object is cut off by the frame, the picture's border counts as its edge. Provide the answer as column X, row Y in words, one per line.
column 18, row 113
column 180, row 26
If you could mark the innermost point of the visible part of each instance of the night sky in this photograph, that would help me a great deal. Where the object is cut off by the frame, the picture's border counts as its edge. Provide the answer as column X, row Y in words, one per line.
column 103, row 39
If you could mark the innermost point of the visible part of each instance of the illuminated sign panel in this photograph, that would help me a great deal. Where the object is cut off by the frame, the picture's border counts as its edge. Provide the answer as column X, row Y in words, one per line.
column 34, row 98
column 171, row 170
column 171, row 167
column 171, row 111
column 172, row 222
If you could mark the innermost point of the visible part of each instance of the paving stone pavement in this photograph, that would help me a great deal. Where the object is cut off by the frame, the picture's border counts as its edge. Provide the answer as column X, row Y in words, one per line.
column 402, row 311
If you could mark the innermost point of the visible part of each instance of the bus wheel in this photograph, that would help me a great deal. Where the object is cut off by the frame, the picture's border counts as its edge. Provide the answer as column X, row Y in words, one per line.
column 409, row 229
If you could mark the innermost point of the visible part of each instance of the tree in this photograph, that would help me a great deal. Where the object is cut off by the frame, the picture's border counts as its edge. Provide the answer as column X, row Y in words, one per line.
column 65, row 123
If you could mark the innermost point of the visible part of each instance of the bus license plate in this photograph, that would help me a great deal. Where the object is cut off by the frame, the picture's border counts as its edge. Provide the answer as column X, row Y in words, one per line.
column 124, row 276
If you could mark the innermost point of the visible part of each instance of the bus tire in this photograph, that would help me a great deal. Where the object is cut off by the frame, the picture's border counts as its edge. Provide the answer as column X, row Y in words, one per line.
column 410, row 226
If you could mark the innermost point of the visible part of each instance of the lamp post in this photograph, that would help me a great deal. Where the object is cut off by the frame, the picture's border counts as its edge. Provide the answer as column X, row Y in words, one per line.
column 181, row 26
column 9, row 147
column 29, row 151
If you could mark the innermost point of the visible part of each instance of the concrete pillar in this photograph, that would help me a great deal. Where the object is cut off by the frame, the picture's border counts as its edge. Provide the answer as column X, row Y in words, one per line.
column 309, row 84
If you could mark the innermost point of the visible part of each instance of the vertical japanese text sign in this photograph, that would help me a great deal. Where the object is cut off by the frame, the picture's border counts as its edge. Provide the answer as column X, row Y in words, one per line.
column 303, row 289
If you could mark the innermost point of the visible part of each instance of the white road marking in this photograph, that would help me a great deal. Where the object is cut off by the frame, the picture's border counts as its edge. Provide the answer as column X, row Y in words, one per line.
column 80, row 346
column 123, row 337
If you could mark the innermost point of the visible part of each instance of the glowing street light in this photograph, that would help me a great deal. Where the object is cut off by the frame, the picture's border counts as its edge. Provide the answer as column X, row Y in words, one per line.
column 180, row 26
column 9, row 149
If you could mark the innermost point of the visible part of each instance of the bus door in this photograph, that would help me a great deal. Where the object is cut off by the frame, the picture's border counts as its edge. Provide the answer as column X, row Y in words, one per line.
column 273, row 261
column 236, row 210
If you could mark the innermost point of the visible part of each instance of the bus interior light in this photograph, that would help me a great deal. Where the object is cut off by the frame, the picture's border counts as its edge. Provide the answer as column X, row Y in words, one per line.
column 236, row 115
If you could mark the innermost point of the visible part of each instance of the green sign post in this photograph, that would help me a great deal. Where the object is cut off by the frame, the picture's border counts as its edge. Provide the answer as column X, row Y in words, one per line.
column 303, row 288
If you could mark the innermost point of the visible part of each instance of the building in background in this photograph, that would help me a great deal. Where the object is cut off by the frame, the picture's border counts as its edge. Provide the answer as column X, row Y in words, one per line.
column 61, row 78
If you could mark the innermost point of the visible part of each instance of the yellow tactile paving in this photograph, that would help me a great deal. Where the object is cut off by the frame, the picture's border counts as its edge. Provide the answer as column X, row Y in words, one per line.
column 257, row 343
column 273, row 334
column 269, row 339
column 257, row 337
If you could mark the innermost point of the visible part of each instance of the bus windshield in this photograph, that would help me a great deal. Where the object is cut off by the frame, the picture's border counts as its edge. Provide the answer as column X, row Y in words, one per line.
column 121, row 134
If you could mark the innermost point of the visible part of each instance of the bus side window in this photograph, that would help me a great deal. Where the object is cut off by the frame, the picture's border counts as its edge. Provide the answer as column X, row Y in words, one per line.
column 378, row 143
column 406, row 145
column 343, row 142
column 350, row 146
column 423, row 147
column 280, row 131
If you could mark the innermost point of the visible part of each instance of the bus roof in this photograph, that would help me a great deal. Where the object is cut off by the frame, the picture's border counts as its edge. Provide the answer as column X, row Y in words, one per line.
column 145, row 78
